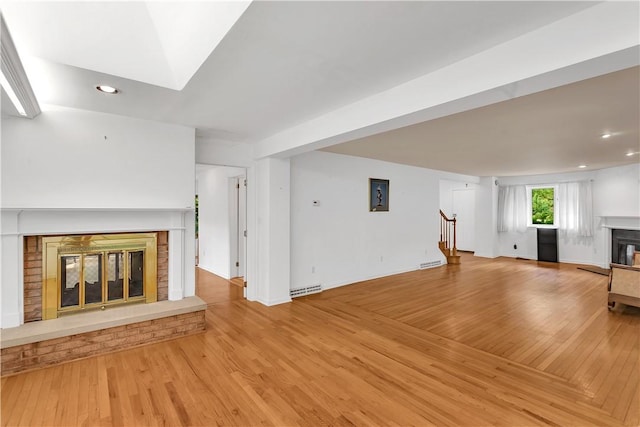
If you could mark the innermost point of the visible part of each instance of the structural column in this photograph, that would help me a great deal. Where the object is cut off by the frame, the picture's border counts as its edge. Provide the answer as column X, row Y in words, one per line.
column 11, row 273
column 486, row 239
column 273, row 220
column 176, row 257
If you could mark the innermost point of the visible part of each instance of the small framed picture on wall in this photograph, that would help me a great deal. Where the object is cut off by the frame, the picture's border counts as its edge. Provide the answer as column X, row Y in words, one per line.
column 378, row 195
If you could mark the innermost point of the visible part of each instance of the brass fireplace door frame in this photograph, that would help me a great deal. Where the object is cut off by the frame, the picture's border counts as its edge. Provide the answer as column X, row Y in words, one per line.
column 55, row 247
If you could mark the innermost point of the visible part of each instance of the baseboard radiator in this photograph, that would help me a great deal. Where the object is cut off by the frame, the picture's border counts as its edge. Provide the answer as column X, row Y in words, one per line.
column 430, row 264
column 298, row 292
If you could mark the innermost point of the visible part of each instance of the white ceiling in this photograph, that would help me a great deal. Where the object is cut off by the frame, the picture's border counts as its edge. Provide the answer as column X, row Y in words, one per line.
column 143, row 41
column 557, row 129
column 284, row 63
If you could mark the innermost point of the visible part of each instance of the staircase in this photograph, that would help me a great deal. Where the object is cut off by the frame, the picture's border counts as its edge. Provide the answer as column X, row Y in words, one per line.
column 447, row 243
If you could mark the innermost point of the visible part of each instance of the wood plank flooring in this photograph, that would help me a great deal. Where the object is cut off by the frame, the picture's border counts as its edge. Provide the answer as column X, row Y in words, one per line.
column 489, row 342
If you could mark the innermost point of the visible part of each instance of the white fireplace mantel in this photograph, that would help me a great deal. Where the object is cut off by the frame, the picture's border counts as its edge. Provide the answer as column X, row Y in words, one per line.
column 620, row 222
column 17, row 223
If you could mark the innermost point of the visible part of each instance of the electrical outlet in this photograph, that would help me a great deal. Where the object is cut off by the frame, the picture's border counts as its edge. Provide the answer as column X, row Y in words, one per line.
column 313, row 269
column 515, row 246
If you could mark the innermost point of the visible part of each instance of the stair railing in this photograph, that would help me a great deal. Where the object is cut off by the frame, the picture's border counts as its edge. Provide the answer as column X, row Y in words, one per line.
column 447, row 232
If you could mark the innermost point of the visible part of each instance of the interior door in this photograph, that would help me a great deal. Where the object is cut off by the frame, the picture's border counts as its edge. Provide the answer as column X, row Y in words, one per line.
column 238, row 226
column 464, row 201
column 233, row 227
column 242, row 225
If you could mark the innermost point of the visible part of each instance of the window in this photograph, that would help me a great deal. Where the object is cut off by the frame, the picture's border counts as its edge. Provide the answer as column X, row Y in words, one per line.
column 542, row 203
column 566, row 206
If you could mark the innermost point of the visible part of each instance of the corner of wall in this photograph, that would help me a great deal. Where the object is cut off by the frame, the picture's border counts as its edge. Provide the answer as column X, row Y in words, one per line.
column 276, row 301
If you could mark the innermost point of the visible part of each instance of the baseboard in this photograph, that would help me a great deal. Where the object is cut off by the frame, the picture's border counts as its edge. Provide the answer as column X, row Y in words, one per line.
column 571, row 261
column 326, row 286
column 211, row 270
column 11, row 320
column 482, row 255
column 276, row 301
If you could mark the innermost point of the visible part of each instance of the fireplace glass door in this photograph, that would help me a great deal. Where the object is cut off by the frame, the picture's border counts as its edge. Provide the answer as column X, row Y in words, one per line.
column 82, row 278
column 115, row 276
column 136, row 273
column 70, row 277
column 92, row 268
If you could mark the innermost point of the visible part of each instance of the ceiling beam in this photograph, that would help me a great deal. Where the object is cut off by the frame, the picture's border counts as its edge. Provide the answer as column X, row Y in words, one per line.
column 14, row 77
column 598, row 40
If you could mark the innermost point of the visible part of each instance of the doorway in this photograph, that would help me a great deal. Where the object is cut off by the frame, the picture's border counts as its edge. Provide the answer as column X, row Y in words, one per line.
column 463, row 207
column 221, row 228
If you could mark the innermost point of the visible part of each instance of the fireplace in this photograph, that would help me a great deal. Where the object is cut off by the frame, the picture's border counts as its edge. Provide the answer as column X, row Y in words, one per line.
column 113, row 265
column 623, row 244
column 28, row 341
column 84, row 272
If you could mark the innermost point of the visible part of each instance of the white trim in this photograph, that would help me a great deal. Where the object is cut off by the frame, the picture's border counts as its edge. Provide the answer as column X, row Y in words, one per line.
column 618, row 227
column 352, row 281
column 276, row 301
column 15, row 76
column 11, row 320
column 620, row 222
column 530, row 189
column 98, row 209
column 488, row 255
column 176, row 264
column 21, row 280
column 91, row 231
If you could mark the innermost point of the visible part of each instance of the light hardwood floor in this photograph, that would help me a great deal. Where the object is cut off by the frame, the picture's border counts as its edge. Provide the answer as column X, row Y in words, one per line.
column 489, row 342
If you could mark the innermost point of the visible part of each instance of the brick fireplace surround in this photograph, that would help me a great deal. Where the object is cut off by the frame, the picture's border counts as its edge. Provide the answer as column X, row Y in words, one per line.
column 38, row 344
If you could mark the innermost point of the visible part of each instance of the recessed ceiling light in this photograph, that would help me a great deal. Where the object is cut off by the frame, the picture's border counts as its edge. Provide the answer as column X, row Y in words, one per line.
column 582, row 166
column 631, row 154
column 605, row 135
column 107, row 89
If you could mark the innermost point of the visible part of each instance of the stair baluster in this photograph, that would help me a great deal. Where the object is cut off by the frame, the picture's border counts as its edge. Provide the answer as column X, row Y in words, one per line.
column 447, row 244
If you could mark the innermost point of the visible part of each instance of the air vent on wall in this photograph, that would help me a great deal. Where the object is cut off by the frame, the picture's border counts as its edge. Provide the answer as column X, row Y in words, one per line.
column 298, row 292
column 430, row 264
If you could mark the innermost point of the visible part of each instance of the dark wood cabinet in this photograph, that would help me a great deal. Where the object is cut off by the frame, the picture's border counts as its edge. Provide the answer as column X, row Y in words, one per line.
column 548, row 244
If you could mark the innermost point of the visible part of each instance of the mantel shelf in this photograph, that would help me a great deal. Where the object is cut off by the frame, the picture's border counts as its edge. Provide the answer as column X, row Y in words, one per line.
column 103, row 209
column 621, row 227
column 620, row 222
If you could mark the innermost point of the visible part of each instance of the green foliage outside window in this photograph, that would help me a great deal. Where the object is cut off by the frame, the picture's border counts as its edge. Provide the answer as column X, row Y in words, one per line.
column 542, row 206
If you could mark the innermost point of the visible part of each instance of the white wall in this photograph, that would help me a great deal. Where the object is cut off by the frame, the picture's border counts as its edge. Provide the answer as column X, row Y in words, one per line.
column 616, row 192
column 339, row 241
column 274, row 230
column 61, row 159
column 214, row 222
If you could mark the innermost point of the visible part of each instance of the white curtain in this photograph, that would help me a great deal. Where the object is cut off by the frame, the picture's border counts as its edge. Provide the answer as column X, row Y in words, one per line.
column 575, row 209
column 512, row 208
